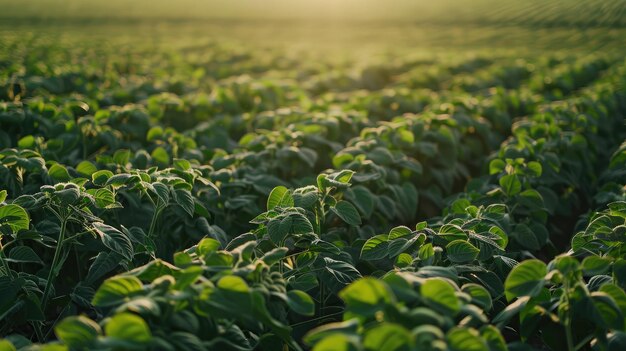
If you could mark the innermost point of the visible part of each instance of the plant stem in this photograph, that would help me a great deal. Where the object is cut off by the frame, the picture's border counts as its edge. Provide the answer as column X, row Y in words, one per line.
column 568, row 329
column 5, row 263
column 55, row 259
column 155, row 216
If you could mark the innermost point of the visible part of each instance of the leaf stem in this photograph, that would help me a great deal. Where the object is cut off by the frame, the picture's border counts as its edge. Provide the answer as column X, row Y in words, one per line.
column 55, row 259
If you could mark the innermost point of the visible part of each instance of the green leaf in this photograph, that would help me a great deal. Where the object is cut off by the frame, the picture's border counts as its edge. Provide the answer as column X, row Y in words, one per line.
column 160, row 155
column 101, row 177
column 300, row 302
column 337, row 274
column 362, row 198
column 525, row 279
column 494, row 338
column 399, row 232
column 294, row 223
column 182, row 164
column 461, row 251
column 617, row 208
column 86, row 168
column 233, row 283
column 3, row 195
column 272, row 257
column 343, row 176
column 153, row 133
column 6, row 345
column 77, row 332
column 534, row 168
column 595, row 265
column 162, row 191
column 440, row 295
column 510, row 184
column 117, row 290
column 281, row 197
column 496, row 166
column 366, row 296
column 324, row 331
column 607, row 313
column 465, row 339
column 27, row 142
column 185, row 200
column 23, row 254
column 388, row 337
column 336, row 342
column 103, row 197
column 128, row 327
column 375, row 248
column 114, row 239
column 59, row 173
column 480, row 295
column 15, row 217
column 121, row 157
column 347, row 212
column 207, row 246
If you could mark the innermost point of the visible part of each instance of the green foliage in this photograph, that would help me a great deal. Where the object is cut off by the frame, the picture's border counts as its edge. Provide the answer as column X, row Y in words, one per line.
column 223, row 197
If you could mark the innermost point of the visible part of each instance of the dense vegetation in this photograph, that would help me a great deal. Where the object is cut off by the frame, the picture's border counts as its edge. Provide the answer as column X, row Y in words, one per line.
column 163, row 188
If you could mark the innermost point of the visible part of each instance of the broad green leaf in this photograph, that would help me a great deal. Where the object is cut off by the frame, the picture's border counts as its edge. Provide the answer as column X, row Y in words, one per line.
column 346, row 328
column 510, row 184
column 23, row 254
column 375, row 248
column 362, row 198
column 280, row 196
column 465, row 339
column 207, row 246
column 182, row 164
column 101, row 177
column 595, row 265
column 162, row 191
column 104, row 263
column 337, row 274
column 388, row 337
column 493, row 337
column 336, row 342
column 128, row 327
column 480, row 296
column 114, row 239
column 440, row 295
column 3, row 195
column 274, row 256
column 398, row 232
column 496, row 166
column 121, row 157
column 607, row 313
column 461, row 251
column 59, row 173
column 15, row 217
column 534, row 168
column 154, row 132
column 617, row 209
column 103, row 197
column 116, row 290
column 185, row 200
column 233, row 283
column 6, row 345
column 280, row 228
column 525, row 279
column 86, row 168
column 77, row 331
column 347, row 212
column 300, row 302
column 366, row 296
